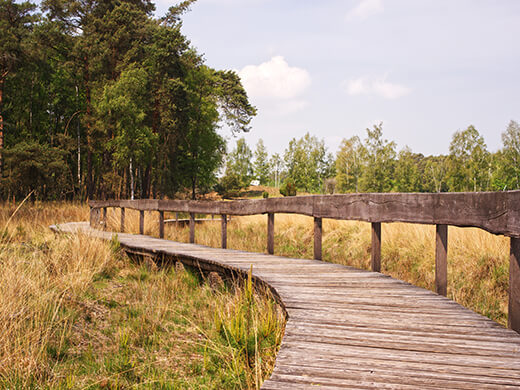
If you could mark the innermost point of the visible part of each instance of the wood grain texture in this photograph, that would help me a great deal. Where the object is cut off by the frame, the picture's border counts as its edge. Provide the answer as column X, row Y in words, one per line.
column 350, row 328
column 122, row 223
column 161, row 224
column 375, row 252
column 223, row 233
column 270, row 233
column 496, row 212
column 318, row 232
column 441, row 259
column 514, row 285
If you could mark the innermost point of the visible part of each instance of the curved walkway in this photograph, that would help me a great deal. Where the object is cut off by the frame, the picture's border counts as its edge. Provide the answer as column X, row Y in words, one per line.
column 349, row 328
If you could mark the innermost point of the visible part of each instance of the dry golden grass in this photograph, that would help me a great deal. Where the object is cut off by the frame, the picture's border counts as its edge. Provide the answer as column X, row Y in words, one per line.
column 76, row 313
column 478, row 262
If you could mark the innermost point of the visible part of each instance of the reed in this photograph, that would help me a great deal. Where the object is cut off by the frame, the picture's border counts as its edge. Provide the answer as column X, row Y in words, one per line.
column 75, row 312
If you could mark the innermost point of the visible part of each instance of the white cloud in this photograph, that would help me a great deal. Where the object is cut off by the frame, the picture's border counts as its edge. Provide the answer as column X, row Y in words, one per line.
column 379, row 87
column 365, row 9
column 274, row 79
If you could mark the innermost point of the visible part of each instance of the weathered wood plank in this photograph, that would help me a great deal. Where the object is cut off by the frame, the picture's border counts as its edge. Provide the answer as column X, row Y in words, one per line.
column 350, row 328
column 496, row 212
column 192, row 228
column 514, row 285
column 318, row 231
column 161, row 224
column 122, row 227
column 141, row 221
column 223, row 234
column 441, row 259
column 375, row 253
column 270, row 233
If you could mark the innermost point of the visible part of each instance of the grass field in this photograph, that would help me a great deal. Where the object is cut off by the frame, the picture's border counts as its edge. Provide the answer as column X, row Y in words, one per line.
column 75, row 313
column 478, row 262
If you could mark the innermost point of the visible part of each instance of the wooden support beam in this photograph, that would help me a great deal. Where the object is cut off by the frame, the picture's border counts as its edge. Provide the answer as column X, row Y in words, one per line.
column 376, row 247
column 441, row 259
column 192, row 228
column 270, row 233
column 141, row 221
column 122, row 219
column 224, row 230
column 161, row 224
column 513, row 319
column 318, row 230
column 94, row 217
column 105, row 222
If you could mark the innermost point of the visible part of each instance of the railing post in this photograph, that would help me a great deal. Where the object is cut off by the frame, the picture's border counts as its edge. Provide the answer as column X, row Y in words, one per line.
column 122, row 219
column 513, row 318
column 94, row 217
column 376, row 247
column 318, row 230
column 141, row 221
column 161, row 224
column 270, row 233
column 441, row 259
column 105, row 227
column 192, row 228
column 224, row 230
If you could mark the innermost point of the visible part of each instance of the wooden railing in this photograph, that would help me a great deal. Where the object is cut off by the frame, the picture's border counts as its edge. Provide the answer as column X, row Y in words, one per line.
column 496, row 212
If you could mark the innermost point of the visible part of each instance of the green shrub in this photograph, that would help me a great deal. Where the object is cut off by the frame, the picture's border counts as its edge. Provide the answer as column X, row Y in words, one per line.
column 288, row 188
column 265, row 194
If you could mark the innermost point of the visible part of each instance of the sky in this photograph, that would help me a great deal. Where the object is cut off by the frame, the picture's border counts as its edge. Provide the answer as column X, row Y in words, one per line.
column 424, row 68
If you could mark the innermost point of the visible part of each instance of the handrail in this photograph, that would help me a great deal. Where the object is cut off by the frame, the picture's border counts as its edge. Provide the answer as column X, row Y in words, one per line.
column 495, row 212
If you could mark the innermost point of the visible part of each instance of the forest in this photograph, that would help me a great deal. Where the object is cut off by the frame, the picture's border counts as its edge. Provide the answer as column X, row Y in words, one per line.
column 373, row 164
column 100, row 99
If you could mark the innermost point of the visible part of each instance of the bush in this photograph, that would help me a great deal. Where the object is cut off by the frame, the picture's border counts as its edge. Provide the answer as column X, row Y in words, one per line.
column 265, row 194
column 288, row 188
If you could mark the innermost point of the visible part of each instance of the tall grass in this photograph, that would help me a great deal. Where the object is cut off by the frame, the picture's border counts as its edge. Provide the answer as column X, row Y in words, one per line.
column 76, row 313
column 478, row 262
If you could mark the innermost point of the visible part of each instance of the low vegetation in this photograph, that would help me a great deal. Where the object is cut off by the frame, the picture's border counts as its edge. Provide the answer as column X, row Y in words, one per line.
column 77, row 313
column 478, row 263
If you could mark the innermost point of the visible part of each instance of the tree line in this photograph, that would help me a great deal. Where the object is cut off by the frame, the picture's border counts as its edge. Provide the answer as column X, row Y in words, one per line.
column 99, row 99
column 373, row 164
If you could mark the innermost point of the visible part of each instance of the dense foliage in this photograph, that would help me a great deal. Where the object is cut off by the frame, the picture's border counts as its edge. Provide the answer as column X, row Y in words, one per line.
column 374, row 165
column 100, row 99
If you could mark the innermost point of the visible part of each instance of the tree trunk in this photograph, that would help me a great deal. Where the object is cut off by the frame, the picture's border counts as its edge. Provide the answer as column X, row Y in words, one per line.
column 1, row 128
column 131, row 180
column 90, row 182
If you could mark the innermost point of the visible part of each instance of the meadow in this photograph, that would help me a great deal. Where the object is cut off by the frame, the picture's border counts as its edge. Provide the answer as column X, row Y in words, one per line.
column 77, row 313
column 478, row 262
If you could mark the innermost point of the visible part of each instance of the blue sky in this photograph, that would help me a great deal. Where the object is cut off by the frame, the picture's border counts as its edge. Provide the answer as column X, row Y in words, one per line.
column 424, row 68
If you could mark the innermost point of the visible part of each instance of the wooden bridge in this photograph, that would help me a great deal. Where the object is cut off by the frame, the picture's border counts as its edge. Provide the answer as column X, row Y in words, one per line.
column 350, row 328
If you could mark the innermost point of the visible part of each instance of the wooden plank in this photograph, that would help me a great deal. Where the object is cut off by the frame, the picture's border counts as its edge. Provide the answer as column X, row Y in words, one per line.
column 122, row 227
column 223, row 233
column 141, row 221
column 318, row 231
column 375, row 253
column 350, row 328
column 441, row 259
column 270, row 233
column 192, row 228
column 513, row 319
column 496, row 212
column 161, row 224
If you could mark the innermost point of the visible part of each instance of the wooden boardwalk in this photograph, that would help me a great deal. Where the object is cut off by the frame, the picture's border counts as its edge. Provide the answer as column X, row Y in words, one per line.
column 350, row 328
